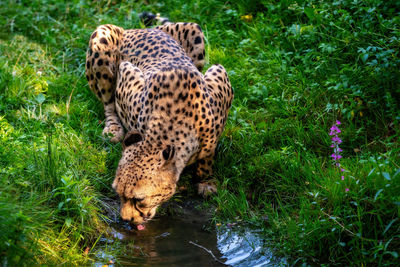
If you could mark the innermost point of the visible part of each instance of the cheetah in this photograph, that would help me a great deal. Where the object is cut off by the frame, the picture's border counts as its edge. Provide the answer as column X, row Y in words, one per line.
column 150, row 83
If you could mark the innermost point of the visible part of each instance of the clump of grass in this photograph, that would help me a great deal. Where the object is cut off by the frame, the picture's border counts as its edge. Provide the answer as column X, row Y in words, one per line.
column 49, row 208
column 296, row 68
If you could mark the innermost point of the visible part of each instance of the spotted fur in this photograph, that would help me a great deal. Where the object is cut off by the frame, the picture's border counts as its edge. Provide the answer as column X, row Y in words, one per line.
column 150, row 84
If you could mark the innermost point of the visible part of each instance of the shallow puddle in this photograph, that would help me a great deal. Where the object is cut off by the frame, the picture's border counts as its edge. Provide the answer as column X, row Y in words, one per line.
column 184, row 240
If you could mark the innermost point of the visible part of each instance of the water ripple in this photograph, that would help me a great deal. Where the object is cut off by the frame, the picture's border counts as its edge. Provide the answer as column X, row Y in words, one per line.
column 241, row 246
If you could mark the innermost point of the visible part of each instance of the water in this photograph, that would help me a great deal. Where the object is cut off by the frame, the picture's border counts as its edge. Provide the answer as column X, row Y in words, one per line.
column 241, row 246
column 183, row 240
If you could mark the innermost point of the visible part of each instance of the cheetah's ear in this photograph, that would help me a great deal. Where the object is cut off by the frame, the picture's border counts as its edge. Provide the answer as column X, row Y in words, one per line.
column 131, row 138
column 169, row 152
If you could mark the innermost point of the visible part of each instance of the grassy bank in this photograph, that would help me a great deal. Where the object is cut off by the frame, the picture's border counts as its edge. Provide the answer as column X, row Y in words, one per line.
column 296, row 67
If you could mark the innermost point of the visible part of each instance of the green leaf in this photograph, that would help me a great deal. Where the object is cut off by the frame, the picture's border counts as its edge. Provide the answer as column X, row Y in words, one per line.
column 364, row 57
column 309, row 12
column 377, row 194
column 371, row 172
column 389, row 225
column 386, row 176
column 312, row 14
column 393, row 253
column 40, row 98
column 68, row 222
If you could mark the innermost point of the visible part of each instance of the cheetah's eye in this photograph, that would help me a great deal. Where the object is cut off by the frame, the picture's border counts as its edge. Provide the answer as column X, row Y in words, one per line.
column 137, row 199
column 168, row 153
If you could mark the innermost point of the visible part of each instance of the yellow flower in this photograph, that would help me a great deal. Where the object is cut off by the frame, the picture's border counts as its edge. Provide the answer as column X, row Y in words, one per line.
column 247, row 18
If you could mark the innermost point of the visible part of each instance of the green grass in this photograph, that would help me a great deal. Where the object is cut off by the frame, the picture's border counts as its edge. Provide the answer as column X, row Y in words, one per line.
column 295, row 66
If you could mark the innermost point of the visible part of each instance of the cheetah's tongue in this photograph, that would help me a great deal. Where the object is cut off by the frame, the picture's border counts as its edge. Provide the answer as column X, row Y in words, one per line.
column 140, row 227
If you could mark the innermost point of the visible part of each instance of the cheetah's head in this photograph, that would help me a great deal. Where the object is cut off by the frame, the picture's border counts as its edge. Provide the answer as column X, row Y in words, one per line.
column 145, row 178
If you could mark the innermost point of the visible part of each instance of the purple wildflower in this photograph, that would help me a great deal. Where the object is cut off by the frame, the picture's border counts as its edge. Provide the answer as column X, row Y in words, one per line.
column 336, row 139
column 334, row 132
column 336, row 157
column 335, row 143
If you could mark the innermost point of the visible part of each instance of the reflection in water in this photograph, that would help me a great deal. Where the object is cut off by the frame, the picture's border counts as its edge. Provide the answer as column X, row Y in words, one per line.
column 243, row 247
column 166, row 242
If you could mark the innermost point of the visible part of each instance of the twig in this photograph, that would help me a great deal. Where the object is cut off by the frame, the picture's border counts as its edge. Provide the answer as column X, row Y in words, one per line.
column 210, row 252
column 69, row 101
column 341, row 225
column 20, row 54
column 347, row 230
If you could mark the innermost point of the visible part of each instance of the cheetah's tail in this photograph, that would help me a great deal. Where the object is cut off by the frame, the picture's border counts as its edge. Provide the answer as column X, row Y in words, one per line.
column 150, row 19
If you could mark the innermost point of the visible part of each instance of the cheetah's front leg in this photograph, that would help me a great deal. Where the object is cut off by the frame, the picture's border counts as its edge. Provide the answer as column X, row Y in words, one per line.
column 220, row 90
column 101, row 68
column 206, row 186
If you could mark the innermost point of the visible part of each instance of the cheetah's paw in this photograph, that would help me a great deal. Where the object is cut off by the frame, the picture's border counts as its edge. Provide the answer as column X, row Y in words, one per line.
column 206, row 189
column 115, row 132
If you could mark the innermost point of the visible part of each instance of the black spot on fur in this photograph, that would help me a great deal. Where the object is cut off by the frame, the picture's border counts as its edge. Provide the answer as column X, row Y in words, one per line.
column 103, row 41
column 197, row 40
